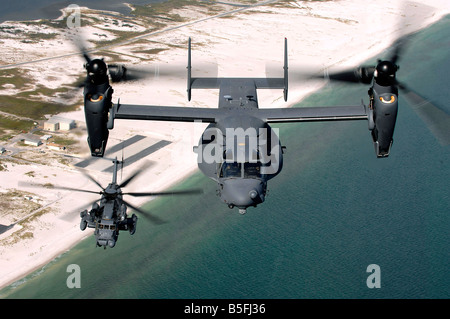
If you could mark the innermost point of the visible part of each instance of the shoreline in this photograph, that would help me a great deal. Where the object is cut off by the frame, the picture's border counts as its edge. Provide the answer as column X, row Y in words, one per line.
column 205, row 49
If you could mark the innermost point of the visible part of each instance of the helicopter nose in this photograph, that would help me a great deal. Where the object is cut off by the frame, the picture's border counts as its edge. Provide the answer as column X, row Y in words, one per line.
column 242, row 193
column 106, row 242
column 111, row 243
column 102, row 242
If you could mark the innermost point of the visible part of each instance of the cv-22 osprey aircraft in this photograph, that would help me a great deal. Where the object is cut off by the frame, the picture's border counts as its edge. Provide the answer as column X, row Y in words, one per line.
column 239, row 150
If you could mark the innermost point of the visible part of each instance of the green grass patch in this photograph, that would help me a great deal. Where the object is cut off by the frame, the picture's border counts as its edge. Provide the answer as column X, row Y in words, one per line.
column 16, row 77
column 64, row 141
column 8, row 123
column 9, row 127
column 32, row 109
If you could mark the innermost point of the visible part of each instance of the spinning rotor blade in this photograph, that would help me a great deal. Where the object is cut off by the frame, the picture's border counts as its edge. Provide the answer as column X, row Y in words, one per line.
column 153, row 219
column 80, row 44
column 399, row 46
column 133, row 176
column 180, row 192
column 362, row 74
column 365, row 73
column 25, row 184
column 122, row 73
column 92, row 179
column 436, row 119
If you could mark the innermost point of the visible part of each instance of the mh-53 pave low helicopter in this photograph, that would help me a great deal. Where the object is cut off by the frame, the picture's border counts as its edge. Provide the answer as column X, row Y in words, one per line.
column 239, row 150
column 108, row 215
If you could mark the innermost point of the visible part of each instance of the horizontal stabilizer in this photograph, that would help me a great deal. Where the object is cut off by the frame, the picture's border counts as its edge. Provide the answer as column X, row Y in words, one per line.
column 215, row 83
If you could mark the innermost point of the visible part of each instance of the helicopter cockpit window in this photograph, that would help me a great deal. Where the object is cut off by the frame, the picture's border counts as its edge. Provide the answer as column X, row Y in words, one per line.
column 234, row 169
column 252, row 170
column 231, row 170
column 103, row 226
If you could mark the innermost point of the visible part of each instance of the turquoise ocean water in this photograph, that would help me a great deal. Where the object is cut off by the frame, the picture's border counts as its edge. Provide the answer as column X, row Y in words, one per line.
column 334, row 209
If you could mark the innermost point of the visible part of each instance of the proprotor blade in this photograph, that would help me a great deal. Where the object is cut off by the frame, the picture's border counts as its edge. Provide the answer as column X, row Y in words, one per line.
column 435, row 118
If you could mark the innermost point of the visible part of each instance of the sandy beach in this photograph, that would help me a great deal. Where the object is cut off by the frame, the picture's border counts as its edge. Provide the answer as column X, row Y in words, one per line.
column 323, row 34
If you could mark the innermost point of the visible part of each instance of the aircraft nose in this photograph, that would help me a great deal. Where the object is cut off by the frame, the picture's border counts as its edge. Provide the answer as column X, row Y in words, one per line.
column 242, row 193
column 106, row 242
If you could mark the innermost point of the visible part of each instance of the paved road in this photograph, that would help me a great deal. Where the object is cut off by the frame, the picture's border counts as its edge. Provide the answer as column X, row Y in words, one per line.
column 263, row 3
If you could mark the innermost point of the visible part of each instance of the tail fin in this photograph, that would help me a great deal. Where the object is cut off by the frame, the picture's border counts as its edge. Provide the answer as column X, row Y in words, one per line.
column 285, row 90
column 189, row 67
column 261, row 83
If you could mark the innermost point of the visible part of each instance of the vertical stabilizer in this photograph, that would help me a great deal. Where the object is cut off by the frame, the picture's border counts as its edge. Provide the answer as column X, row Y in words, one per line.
column 285, row 90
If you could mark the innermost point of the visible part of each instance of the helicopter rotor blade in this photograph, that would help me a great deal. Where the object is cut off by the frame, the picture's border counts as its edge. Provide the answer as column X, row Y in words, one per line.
column 147, row 215
column 179, row 192
column 134, row 175
column 25, row 184
column 92, row 179
column 74, row 214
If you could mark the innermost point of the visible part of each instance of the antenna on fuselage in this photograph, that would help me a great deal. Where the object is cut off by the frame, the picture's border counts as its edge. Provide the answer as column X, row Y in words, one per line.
column 189, row 67
column 114, row 180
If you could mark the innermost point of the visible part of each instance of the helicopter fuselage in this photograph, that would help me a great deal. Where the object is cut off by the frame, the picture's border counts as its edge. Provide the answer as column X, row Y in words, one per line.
column 108, row 217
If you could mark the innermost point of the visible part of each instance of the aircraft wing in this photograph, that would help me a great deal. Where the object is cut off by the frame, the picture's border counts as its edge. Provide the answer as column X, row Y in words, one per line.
column 310, row 114
column 166, row 113
column 211, row 115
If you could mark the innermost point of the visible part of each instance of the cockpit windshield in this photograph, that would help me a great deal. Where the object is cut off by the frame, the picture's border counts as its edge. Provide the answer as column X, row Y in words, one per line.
column 234, row 169
column 103, row 226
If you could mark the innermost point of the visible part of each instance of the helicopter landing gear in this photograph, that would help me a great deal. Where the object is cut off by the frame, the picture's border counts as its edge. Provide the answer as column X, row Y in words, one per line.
column 83, row 222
